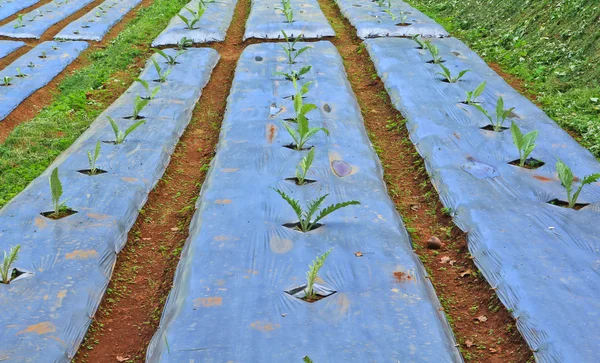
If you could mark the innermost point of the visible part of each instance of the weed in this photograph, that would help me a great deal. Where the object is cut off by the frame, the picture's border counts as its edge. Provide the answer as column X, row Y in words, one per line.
column 567, row 178
column 472, row 96
column 501, row 114
column 312, row 273
column 92, row 157
column 151, row 92
column 9, row 259
column 448, row 75
column 525, row 143
column 120, row 135
column 304, row 166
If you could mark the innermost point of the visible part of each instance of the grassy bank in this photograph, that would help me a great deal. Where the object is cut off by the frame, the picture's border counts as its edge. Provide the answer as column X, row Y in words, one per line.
column 552, row 45
column 33, row 145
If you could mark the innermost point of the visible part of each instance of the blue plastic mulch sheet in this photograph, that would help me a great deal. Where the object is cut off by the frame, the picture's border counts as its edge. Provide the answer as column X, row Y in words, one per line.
column 229, row 301
column 45, row 313
column 266, row 20
column 9, row 46
column 38, row 67
column 11, row 7
column 95, row 24
column 542, row 259
column 36, row 22
column 388, row 18
column 212, row 26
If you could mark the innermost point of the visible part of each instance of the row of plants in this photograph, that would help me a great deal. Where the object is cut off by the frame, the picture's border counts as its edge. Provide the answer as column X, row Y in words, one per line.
column 525, row 143
column 194, row 16
column 102, row 11
column 20, row 23
column 401, row 17
column 6, row 80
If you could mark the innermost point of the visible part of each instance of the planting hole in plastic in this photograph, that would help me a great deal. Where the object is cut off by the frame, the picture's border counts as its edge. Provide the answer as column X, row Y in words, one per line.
column 62, row 214
column 432, row 62
column 320, row 292
column 293, row 147
column 295, row 180
column 17, row 274
column 296, row 226
column 563, row 204
column 492, row 128
column 404, row 24
column 530, row 163
column 89, row 172
column 137, row 118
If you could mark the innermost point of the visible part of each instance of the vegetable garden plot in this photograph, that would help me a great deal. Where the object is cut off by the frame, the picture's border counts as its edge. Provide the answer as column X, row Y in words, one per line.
column 388, row 18
column 267, row 20
column 36, row 22
column 34, row 70
column 541, row 258
column 9, row 46
column 211, row 26
column 46, row 315
column 11, row 7
column 238, row 287
column 95, row 24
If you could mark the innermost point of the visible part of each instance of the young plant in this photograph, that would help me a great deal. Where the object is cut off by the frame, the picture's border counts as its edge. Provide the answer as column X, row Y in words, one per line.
column 567, row 179
column 286, row 8
column 304, row 166
column 162, row 76
column 472, row 96
column 20, row 74
column 120, row 135
column 196, row 16
column 9, row 259
column 92, row 157
column 301, row 108
column 151, row 92
column 434, row 51
column 19, row 23
column 304, row 131
column 138, row 105
column 56, row 190
column 290, row 48
column 294, row 75
column 6, row 80
column 184, row 43
column 422, row 44
column 306, row 222
column 525, row 143
column 171, row 60
column 448, row 75
column 307, row 359
column 312, row 273
column 501, row 114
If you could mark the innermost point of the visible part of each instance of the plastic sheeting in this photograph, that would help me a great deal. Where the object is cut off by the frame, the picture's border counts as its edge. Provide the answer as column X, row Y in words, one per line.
column 41, row 19
column 212, row 27
column 9, row 46
column 228, row 301
column 266, row 21
column 542, row 259
column 38, row 71
column 95, row 24
column 45, row 316
column 11, row 7
column 370, row 20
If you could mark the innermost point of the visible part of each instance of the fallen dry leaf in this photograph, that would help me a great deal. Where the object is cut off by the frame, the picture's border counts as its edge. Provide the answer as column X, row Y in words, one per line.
column 492, row 350
column 122, row 359
column 452, row 262
column 469, row 343
column 445, row 259
column 358, row 254
column 174, row 229
column 482, row 318
column 466, row 273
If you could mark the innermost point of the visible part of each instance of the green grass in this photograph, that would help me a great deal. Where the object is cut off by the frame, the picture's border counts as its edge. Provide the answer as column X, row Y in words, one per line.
column 552, row 45
column 33, row 145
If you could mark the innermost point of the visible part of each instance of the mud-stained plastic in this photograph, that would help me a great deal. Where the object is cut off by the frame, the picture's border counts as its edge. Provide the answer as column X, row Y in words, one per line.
column 11, row 7
column 266, row 21
column 212, row 26
column 372, row 20
column 38, row 67
column 96, row 24
column 36, row 22
column 46, row 315
column 9, row 46
column 229, row 299
column 542, row 259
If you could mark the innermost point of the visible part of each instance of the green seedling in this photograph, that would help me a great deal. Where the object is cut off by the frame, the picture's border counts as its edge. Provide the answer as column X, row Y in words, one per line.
column 448, row 75
column 151, row 92
column 171, row 60
column 138, row 105
column 567, row 180
column 20, row 74
column 290, row 47
column 304, row 166
column 286, row 8
column 19, row 23
column 472, row 96
column 184, row 43
column 9, row 258
column 382, row 3
column 312, row 273
column 403, row 17
column 120, row 135
column 196, row 16
column 162, row 76
column 501, row 114
column 43, row 55
column 6, row 80
column 306, row 222
column 417, row 39
column 525, row 143
column 434, row 51
column 92, row 157
column 301, row 108
column 57, row 191
column 304, row 131
column 294, row 75
column 307, row 359
column 31, row 65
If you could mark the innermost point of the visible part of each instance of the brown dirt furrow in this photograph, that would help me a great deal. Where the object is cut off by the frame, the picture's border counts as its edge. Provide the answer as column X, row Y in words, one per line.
column 483, row 327
column 130, row 311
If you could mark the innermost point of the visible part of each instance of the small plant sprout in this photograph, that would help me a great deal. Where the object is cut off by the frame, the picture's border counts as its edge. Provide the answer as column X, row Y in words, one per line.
column 290, row 48
column 56, row 190
column 286, row 8
column 6, row 80
column 171, row 60
column 567, row 180
column 417, row 39
column 138, row 105
column 20, row 74
column 448, row 75
column 306, row 222
column 151, row 92
column 304, row 131
column 184, row 43
column 312, row 274
column 301, row 108
column 307, row 359
column 9, row 258
column 525, row 143
column 92, row 157
column 434, row 51
column 43, row 55
column 472, row 96
column 162, row 76
column 19, row 23
column 501, row 114
column 120, row 135
column 196, row 16
column 304, row 166
column 31, row 65
column 294, row 75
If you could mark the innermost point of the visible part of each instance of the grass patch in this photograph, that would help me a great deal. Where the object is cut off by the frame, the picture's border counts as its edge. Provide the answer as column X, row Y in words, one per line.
column 33, row 145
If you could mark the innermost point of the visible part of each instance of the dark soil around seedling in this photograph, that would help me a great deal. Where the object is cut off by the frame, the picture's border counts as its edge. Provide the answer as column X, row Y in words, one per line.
column 295, row 181
column 530, row 163
column 491, row 128
column 564, row 204
column 292, row 146
column 296, row 226
column 61, row 214
column 89, row 172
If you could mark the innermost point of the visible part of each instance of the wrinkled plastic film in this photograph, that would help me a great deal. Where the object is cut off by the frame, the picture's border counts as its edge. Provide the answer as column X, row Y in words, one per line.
column 46, row 315
column 212, row 26
column 397, row 20
column 266, row 21
column 11, row 7
column 38, row 67
column 541, row 258
column 229, row 300
column 96, row 24
column 36, row 22
column 9, row 46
